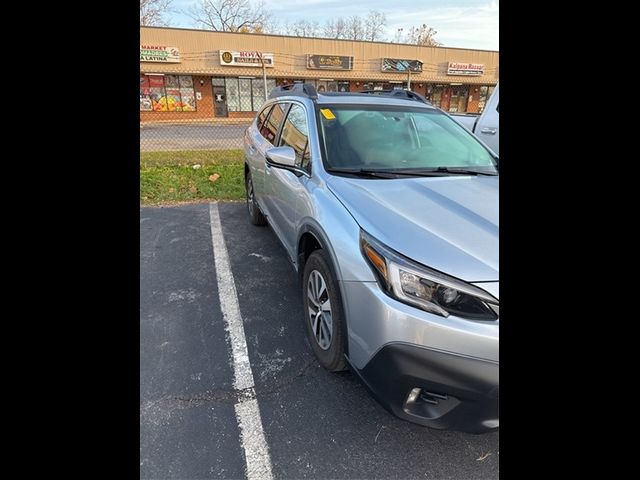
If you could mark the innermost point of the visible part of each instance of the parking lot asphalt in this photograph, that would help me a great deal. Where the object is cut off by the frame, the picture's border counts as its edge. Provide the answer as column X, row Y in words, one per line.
column 316, row 424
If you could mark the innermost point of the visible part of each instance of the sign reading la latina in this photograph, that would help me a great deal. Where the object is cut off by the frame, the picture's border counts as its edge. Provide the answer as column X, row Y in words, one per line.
column 159, row 53
column 456, row 68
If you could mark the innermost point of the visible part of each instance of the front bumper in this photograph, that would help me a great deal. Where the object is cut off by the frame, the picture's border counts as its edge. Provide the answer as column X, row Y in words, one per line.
column 450, row 364
column 436, row 389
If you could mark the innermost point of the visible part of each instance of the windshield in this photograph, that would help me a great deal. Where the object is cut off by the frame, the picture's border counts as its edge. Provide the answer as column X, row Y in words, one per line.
column 398, row 138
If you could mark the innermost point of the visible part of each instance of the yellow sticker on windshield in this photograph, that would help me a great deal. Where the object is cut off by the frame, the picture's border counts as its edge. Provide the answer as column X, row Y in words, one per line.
column 328, row 114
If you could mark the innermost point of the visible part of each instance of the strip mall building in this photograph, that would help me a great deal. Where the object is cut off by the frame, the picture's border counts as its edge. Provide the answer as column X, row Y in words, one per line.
column 203, row 75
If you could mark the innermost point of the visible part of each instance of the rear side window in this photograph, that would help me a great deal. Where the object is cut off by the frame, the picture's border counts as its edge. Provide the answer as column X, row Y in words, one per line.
column 274, row 120
column 295, row 134
column 262, row 116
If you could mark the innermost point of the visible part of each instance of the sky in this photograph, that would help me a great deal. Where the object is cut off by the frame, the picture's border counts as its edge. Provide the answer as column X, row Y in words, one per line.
column 459, row 23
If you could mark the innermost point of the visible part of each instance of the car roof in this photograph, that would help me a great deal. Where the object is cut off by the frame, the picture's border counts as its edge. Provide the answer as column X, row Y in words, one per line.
column 368, row 99
column 351, row 98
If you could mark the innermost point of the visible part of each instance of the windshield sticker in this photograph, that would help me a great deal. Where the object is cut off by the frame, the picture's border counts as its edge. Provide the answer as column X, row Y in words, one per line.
column 328, row 114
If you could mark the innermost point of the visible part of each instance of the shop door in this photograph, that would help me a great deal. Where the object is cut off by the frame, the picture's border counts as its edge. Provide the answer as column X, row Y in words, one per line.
column 445, row 102
column 220, row 101
column 458, row 99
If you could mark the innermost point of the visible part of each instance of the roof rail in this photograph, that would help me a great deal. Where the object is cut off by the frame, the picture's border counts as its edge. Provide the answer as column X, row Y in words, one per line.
column 399, row 93
column 295, row 89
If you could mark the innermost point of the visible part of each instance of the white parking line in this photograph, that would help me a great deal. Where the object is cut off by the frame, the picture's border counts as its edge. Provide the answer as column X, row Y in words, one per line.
column 252, row 437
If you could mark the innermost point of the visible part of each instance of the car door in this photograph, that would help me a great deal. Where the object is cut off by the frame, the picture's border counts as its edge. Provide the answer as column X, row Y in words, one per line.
column 288, row 189
column 256, row 142
column 268, row 134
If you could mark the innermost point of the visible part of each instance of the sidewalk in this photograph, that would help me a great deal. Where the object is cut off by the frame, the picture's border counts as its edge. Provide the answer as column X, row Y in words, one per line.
column 210, row 121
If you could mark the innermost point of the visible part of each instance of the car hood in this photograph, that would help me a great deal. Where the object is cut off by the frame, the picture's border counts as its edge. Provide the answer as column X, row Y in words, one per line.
column 446, row 223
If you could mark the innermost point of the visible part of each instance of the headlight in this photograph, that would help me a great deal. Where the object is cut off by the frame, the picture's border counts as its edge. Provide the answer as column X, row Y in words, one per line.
column 425, row 288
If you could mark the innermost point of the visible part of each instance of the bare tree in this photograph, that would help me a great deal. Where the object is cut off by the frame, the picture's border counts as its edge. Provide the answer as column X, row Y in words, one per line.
column 423, row 36
column 304, row 28
column 355, row 28
column 374, row 25
column 335, row 28
column 230, row 15
column 398, row 37
column 152, row 12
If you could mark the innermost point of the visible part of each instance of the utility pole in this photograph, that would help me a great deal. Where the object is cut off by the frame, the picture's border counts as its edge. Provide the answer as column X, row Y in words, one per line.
column 409, row 78
column 264, row 77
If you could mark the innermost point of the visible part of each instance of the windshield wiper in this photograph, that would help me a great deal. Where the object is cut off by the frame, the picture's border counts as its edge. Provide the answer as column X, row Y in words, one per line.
column 389, row 173
column 363, row 172
column 445, row 170
column 411, row 172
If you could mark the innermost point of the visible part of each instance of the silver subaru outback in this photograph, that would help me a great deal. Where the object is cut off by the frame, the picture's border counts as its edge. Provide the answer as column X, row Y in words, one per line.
column 388, row 209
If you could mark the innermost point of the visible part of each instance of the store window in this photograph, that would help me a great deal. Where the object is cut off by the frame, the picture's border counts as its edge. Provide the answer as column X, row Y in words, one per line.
column 167, row 93
column 450, row 98
column 485, row 93
column 326, row 86
column 246, row 94
column 434, row 94
column 458, row 98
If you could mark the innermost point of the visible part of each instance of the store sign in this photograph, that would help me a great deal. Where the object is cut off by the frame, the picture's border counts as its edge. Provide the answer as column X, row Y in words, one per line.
column 329, row 62
column 245, row 59
column 468, row 69
column 162, row 54
column 400, row 65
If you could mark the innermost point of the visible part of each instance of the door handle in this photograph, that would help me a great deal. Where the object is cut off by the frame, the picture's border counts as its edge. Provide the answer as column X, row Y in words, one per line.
column 252, row 149
column 489, row 131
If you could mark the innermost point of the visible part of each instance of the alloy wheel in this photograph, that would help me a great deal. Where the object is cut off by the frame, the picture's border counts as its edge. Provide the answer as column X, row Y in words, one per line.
column 319, row 309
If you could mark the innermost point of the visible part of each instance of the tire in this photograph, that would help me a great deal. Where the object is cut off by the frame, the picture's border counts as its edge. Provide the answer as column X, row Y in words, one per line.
column 256, row 217
column 319, row 281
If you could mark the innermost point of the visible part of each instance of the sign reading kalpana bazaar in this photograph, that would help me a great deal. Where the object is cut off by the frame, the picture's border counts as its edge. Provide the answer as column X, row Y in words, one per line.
column 245, row 59
column 159, row 53
column 456, row 68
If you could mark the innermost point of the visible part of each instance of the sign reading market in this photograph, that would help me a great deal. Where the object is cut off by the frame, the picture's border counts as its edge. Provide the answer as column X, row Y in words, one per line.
column 245, row 59
column 469, row 69
column 401, row 65
column 329, row 62
column 159, row 53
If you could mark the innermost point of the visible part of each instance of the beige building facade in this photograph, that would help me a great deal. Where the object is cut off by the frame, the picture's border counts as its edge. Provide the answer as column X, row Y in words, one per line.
column 199, row 75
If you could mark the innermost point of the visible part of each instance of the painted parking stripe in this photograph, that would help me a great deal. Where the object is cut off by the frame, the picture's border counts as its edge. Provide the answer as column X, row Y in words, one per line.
column 247, row 409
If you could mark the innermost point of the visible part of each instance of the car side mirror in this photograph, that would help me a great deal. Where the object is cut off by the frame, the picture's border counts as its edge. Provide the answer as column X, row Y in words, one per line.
column 282, row 157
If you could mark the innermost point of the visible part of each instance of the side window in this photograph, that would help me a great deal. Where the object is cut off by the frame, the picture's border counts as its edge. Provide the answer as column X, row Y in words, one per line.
column 274, row 120
column 262, row 117
column 295, row 135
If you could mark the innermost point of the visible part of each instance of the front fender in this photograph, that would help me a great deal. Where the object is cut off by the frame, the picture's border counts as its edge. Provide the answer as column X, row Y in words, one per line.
column 339, row 235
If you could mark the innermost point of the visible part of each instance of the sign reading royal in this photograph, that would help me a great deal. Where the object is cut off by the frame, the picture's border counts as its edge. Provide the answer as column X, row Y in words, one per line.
column 245, row 59
column 329, row 62
column 456, row 68
column 159, row 53
column 400, row 65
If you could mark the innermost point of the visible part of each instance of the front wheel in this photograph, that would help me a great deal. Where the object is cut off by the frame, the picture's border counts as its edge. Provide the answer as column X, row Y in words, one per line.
column 323, row 312
column 256, row 217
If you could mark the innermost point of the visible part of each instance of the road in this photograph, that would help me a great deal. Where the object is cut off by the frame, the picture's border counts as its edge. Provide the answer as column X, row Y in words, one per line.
column 316, row 424
column 190, row 137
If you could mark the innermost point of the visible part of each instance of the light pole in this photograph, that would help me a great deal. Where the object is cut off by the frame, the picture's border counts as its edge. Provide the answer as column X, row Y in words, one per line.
column 264, row 76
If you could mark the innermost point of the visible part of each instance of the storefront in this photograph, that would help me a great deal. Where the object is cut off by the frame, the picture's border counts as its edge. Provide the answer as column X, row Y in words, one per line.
column 188, row 75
